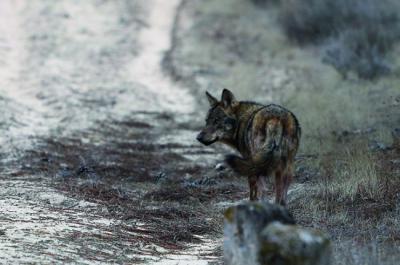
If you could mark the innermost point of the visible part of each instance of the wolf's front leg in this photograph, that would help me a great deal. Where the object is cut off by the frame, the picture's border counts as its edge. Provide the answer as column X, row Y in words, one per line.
column 279, row 188
column 262, row 188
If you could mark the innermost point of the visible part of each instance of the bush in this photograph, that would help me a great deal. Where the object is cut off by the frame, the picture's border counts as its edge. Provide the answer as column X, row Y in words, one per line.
column 359, row 33
column 264, row 2
column 306, row 21
column 360, row 51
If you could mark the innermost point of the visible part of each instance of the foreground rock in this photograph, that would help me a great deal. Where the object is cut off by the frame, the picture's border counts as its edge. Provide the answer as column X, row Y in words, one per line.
column 265, row 234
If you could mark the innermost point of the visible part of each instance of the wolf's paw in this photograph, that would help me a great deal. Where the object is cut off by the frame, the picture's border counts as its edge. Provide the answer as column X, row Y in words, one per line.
column 220, row 167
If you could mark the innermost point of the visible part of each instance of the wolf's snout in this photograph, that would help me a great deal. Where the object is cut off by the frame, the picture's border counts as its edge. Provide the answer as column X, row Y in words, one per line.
column 200, row 137
column 204, row 138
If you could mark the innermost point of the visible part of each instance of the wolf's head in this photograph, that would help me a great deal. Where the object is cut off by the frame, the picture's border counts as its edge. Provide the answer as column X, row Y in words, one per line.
column 221, row 122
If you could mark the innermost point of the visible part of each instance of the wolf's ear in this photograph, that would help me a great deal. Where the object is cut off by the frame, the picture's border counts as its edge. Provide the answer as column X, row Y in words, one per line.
column 227, row 98
column 213, row 101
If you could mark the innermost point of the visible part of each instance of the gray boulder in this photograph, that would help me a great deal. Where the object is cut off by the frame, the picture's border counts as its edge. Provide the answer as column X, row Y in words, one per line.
column 264, row 233
column 291, row 244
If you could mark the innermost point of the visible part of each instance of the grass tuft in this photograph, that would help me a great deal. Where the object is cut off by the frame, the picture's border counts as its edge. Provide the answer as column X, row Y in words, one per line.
column 354, row 177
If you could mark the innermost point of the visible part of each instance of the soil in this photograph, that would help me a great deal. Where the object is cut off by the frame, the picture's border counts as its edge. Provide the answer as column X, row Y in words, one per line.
column 99, row 158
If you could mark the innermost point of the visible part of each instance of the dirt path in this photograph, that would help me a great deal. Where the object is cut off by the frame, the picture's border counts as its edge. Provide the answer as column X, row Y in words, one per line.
column 65, row 69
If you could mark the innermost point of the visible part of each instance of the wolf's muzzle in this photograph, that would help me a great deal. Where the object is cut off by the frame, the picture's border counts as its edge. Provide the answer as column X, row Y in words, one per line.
column 201, row 138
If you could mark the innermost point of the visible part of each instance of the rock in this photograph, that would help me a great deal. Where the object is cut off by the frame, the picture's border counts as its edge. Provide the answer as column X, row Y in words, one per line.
column 377, row 146
column 293, row 245
column 242, row 230
column 264, row 233
column 160, row 177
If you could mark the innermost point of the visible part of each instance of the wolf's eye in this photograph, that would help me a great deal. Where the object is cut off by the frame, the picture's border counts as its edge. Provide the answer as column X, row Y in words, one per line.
column 229, row 123
column 228, row 127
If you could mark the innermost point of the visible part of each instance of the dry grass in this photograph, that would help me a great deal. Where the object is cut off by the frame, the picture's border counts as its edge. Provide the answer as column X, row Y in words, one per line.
column 355, row 197
column 355, row 201
column 353, row 175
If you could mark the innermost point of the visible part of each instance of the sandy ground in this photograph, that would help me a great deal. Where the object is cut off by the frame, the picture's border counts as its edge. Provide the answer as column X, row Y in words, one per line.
column 65, row 67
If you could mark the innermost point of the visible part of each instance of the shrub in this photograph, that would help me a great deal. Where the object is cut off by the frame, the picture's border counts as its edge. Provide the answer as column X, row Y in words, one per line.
column 306, row 21
column 264, row 2
column 360, row 51
column 359, row 33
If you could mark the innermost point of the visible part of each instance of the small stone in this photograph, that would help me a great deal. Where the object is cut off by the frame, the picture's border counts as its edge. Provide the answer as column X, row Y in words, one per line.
column 377, row 146
column 161, row 176
column 395, row 161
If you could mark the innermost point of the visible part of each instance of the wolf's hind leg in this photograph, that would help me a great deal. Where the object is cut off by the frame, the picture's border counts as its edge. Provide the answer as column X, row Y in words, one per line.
column 253, row 188
column 279, row 188
column 262, row 188
column 287, row 179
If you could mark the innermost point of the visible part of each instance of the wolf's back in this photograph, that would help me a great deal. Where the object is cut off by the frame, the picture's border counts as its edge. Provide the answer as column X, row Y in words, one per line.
column 281, row 132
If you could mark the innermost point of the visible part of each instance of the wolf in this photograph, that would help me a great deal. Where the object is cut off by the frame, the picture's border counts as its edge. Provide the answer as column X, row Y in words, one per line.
column 267, row 138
